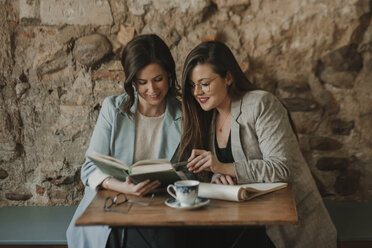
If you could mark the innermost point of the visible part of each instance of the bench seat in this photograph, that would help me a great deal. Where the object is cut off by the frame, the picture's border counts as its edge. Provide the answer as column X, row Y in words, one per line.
column 353, row 221
column 35, row 225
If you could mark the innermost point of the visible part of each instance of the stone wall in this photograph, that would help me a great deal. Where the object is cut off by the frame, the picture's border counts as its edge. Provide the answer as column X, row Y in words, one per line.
column 60, row 59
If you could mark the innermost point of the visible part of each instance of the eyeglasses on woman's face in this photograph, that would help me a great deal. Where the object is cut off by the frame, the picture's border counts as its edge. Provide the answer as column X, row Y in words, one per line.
column 203, row 85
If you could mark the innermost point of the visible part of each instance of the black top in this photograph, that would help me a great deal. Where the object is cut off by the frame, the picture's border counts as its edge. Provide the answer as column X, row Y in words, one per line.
column 224, row 155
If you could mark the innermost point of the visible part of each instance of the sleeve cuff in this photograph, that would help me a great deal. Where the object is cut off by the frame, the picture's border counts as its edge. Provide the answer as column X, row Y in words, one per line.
column 96, row 178
column 242, row 174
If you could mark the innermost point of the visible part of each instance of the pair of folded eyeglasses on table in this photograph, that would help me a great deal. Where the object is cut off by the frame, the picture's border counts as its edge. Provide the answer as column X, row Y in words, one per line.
column 120, row 199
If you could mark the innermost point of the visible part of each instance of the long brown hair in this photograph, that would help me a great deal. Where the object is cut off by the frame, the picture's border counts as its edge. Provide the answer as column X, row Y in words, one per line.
column 139, row 53
column 196, row 121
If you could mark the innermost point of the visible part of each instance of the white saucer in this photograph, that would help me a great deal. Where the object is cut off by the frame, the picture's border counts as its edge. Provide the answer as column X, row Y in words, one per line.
column 173, row 203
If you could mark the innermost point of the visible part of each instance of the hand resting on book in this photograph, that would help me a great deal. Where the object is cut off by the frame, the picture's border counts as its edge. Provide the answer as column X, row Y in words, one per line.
column 129, row 187
column 225, row 179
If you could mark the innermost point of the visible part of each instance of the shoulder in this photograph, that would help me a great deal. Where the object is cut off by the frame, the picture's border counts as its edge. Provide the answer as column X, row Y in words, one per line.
column 174, row 107
column 260, row 100
column 113, row 104
column 115, row 101
column 257, row 103
column 257, row 97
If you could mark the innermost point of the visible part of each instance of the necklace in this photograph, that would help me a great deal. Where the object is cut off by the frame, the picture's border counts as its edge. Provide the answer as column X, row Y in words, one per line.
column 223, row 123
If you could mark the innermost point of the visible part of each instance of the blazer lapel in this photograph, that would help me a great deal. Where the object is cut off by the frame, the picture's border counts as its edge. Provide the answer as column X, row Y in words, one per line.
column 212, row 133
column 236, row 144
column 171, row 130
column 125, row 137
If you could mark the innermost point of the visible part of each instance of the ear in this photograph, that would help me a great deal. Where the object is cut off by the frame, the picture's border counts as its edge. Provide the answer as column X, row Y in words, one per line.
column 228, row 79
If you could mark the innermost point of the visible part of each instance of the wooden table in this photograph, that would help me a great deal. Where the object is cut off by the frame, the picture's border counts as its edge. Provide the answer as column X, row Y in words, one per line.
column 276, row 208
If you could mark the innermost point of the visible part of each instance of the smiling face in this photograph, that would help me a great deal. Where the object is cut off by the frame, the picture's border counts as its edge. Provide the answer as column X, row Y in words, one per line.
column 152, row 86
column 209, row 88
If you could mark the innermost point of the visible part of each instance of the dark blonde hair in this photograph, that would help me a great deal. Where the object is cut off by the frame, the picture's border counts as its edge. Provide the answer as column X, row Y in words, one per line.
column 196, row 121
column 139, row 53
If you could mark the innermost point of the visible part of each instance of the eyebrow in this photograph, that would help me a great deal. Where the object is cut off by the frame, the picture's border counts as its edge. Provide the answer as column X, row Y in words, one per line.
column 139, row 79
column 202, row 79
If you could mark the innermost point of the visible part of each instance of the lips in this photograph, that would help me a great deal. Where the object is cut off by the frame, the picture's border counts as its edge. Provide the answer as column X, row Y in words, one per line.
column 154, row 96
column 203, row 99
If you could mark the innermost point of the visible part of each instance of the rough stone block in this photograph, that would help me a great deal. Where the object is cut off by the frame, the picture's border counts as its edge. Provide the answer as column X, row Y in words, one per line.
column 324, row 144
column 40, row 190
column 341, row 127
column 90, row 49
column 59, row 61
column 3, row 174
column 230, row 3
column 125, row 35
column 339, row 79
column 348, row 182
column 293, row 86
column 344, row 59
column 297, row 104
column 18, row 196
column 332, row 163
column 29, row 9
column 82, row 12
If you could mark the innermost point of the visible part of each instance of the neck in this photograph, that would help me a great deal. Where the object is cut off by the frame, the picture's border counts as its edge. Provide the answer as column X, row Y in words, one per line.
column 224, row 108
column 151, row 110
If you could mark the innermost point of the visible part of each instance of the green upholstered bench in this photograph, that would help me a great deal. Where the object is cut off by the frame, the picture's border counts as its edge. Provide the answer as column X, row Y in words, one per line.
column 353, row 221
column 34, row 225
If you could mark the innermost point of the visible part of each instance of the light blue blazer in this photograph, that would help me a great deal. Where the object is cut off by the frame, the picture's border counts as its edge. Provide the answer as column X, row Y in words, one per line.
column 114, row 135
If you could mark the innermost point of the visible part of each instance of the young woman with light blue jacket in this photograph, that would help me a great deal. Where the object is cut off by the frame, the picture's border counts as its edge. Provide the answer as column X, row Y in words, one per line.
column 143, row 123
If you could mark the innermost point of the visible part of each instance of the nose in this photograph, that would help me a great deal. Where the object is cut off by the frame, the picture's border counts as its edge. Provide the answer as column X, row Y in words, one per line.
column 151, row 87
column 197, row 90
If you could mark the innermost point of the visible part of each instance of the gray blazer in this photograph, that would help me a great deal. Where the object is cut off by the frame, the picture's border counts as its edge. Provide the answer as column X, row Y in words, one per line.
column 114, row 135
column 265, row 149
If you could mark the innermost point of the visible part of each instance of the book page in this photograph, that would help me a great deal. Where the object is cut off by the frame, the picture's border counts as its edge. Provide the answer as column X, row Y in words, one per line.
column 104, row 159
column 237, row 192
column 149, row 168
column 263, row 187
column 150, row 162
column 219, row 191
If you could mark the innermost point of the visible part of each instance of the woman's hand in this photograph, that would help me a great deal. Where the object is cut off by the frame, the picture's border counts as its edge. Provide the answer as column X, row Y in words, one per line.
column 128, row 187
column 203, row 160
column 141, row 188
column 225, row 179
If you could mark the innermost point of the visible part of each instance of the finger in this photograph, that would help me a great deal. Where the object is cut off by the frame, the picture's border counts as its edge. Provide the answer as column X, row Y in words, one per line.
column 191, row 164
column 151, row 186
column 202, row 168
column 203, row 164
column 192, row 156
column 147, row 185
column 146, row 190
column 206, row 166
column 229, row 180
column 217, row 180
column 223, row 180
column 195, row 153
column 143, row 184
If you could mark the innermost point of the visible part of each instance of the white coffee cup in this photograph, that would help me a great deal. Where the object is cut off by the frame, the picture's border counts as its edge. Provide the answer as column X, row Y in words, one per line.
column 186, row 191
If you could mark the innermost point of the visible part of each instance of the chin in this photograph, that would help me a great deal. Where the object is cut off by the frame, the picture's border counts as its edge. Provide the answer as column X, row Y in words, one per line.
column 206, row 108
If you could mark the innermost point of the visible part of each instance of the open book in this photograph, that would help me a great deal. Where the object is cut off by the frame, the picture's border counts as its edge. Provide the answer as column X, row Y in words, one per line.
column 153, row 169
column 241, row 192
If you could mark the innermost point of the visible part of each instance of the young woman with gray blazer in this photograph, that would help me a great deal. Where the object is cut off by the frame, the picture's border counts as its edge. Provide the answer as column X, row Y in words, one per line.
column 244, row 135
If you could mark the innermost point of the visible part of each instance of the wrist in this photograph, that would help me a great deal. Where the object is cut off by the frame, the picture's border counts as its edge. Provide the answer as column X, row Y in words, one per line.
column 106, row 183
column 225, row 169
